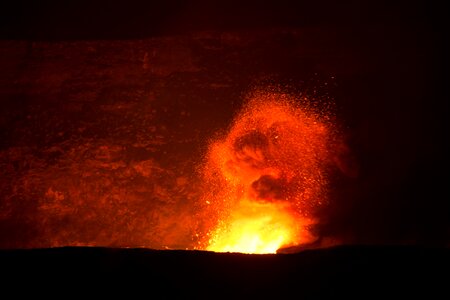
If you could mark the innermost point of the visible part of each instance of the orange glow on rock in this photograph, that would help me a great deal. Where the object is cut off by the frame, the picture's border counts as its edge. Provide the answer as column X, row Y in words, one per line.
column 267, row 176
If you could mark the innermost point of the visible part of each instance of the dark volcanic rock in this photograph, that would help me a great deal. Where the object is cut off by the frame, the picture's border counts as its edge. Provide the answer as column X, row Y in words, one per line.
column 348, row 272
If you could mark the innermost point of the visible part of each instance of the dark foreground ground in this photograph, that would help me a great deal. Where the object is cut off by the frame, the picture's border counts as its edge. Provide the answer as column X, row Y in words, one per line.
column 348, row 272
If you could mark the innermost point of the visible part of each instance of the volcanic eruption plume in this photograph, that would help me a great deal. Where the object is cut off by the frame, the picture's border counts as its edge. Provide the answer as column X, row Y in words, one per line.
column 267, row 176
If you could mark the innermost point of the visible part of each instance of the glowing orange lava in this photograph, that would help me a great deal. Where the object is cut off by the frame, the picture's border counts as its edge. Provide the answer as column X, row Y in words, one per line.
column 267, row 175
column 255, row 227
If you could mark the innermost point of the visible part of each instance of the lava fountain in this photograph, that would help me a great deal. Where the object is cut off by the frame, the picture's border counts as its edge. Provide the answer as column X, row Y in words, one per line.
column 268, row 175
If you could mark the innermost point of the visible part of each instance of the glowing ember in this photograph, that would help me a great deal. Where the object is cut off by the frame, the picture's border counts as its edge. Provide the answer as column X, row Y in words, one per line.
column 267, row 176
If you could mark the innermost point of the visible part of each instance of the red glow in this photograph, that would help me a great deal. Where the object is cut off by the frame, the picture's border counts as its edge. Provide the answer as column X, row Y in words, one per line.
column 267, row 175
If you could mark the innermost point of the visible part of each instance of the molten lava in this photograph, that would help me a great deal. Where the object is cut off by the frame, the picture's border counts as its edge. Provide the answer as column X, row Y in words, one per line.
column 258, row 228
column 267, row 176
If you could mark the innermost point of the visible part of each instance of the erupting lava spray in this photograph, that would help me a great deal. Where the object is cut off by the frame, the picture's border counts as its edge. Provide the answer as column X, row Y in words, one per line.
column 268, row 175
